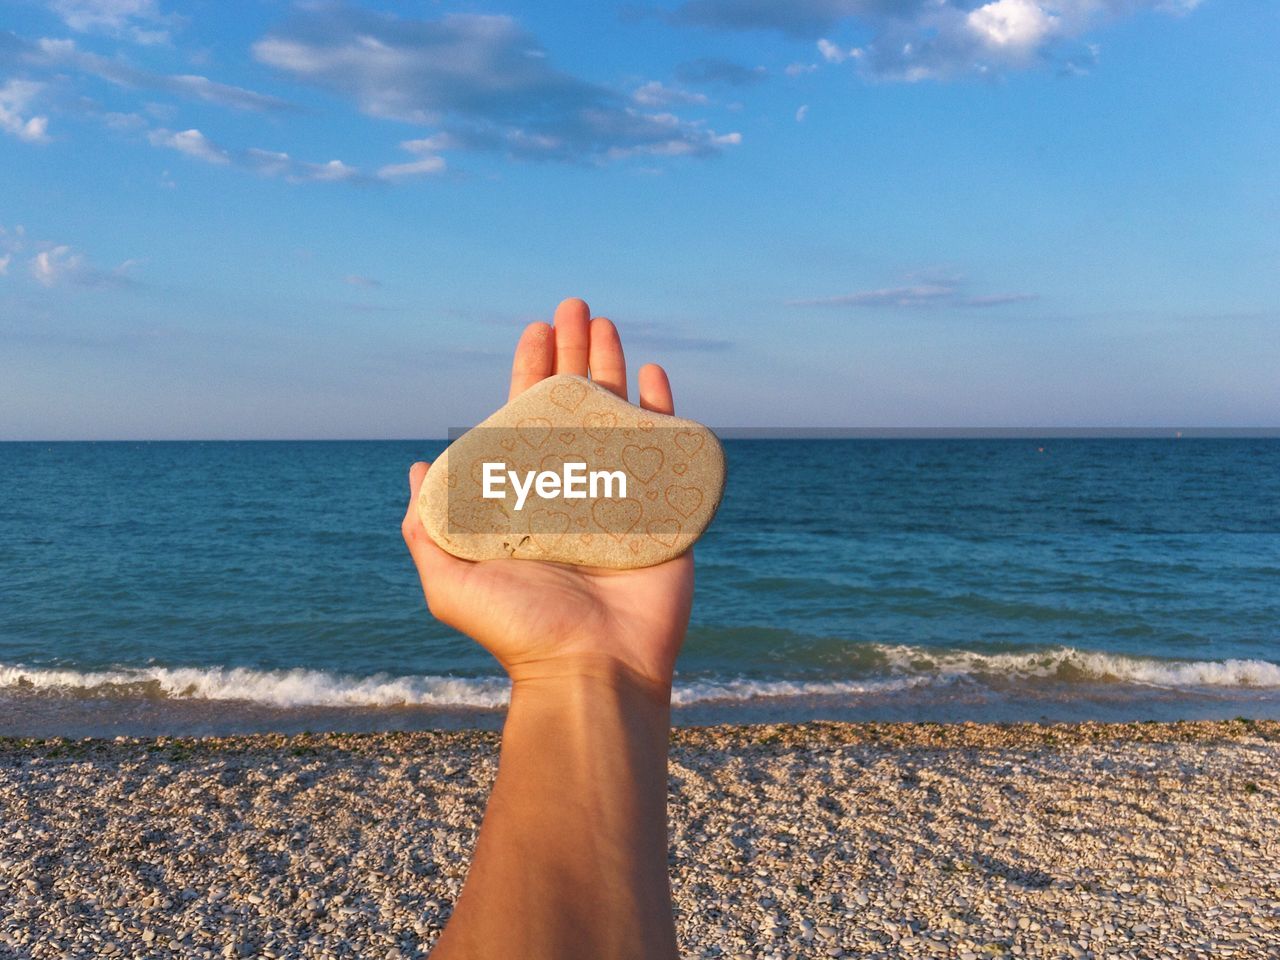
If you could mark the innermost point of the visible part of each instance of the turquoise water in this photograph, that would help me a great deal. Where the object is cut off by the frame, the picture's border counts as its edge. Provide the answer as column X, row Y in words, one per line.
column 240, row 585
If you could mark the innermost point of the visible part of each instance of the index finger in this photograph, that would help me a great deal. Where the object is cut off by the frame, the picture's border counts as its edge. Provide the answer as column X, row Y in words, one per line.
column 535, row 358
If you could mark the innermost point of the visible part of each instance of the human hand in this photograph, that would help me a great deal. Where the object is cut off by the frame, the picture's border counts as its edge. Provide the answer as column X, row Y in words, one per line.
column 544, row 620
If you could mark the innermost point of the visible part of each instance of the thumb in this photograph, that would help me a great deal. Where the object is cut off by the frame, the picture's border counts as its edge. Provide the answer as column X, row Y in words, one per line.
column 434, row 564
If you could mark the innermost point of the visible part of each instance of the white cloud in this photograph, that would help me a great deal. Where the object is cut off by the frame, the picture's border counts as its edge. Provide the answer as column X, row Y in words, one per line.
column 1012, row 23
column 65, row 54
column 657, row 94
column 418, row 70
column 414, row 168
column 191, row 142
column 914, row 40
column 484, row 81
column 124, row 122
column 269, row 163
column 831, row 52
column 428, row 164
column 912, row 296
column 138, row 20
column 202, row 88
column 942, row 292
column 802, row 113
column 328, row 172
column 800, row 69
column 16, row 97
column 432, row 144
column 33, row 130
column 56, row 264
column 996, row 299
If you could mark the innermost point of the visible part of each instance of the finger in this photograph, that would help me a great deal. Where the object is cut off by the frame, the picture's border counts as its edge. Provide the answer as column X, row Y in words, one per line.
column 535, row 358
column 655, row 390
column 608, row 365
column 572, row 336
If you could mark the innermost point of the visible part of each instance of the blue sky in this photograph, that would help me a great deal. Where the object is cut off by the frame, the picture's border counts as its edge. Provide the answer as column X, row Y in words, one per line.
column 330, row 220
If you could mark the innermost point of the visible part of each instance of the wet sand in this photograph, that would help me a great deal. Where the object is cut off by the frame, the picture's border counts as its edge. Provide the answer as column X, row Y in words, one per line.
column 810, row 840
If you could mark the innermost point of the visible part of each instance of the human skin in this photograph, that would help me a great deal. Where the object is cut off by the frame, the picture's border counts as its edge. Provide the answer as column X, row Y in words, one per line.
column 571, row 861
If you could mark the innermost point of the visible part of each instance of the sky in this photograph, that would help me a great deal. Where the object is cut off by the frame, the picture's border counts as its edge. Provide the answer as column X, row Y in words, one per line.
column 331, row 220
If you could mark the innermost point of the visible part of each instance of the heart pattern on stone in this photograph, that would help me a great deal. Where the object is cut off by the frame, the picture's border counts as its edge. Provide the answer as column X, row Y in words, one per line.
column 684, row 500
column 569, row 395
column 665, row 532
column 544, row 521
column 616, row 517
column 600, row 425
column 689, row 441
column 533, row 431
column 643, row 463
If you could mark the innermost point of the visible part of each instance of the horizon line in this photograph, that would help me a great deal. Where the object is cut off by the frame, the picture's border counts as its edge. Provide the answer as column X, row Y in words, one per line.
column 785, row 433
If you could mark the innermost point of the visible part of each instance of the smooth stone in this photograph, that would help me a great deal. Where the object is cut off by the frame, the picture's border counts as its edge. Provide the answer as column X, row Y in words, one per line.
column 674, row 468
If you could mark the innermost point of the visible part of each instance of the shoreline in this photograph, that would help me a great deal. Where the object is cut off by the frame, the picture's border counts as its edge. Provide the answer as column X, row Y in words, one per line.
column 40, row 714
column 964, row 841
column 811, row 733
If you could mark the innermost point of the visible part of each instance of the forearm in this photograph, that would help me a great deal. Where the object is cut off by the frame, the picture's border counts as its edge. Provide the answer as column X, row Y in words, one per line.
column 572, row 856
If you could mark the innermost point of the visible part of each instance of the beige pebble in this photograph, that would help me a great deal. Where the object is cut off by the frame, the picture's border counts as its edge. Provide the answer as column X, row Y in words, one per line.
column 673, row 470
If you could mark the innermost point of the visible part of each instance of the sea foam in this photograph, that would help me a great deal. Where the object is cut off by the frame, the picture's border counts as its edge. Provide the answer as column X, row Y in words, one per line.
column 904, row 667
column 278, row 688
column 1070, row 663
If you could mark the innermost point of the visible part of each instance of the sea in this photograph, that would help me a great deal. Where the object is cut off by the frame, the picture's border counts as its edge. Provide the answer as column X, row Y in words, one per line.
column 187, row 588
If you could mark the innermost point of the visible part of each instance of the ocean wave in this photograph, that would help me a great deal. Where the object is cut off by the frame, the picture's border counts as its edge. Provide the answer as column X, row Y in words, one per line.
column 277, row 688
column 700, row 691
column 1072, row 664
column 901, row 667
column 316, row 688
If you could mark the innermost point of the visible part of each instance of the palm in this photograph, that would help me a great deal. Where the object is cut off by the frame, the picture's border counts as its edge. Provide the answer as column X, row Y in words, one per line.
column 527, row 611
column 523, row 611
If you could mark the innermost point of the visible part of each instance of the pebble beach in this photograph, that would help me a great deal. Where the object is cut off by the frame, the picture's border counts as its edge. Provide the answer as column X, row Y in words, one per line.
column 961, row 841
